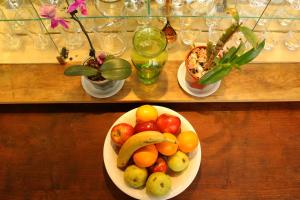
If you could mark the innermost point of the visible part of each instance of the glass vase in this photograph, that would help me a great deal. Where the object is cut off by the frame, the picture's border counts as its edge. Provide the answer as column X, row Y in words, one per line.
column 149, row 54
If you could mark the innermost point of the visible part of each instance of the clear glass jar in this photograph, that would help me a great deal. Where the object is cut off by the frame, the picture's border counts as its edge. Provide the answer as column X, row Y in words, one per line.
column 149, row 54
column 111, row 35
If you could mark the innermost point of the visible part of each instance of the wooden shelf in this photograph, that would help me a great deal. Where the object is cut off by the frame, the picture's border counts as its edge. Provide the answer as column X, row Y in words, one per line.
column 45, row 83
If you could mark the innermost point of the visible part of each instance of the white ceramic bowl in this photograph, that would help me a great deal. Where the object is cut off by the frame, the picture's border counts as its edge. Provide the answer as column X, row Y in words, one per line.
column 179, row 182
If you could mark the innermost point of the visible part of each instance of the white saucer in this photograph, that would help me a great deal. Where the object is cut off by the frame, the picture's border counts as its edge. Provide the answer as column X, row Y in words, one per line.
column 208, row 90
column 98, row 93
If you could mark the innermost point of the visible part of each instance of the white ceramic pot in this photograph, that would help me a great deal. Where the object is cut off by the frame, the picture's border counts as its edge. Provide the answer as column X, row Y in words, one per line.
column 102, row 85
column 101, row 89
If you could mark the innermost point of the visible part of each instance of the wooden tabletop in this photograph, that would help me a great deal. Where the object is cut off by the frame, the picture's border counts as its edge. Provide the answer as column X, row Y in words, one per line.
column 249, row 151
column 45, row 83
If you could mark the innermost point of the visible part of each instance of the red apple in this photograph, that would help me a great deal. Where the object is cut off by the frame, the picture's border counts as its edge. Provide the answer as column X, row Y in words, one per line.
column 121, row 132
column 168, row 124
column 159, row 166
column 146, row 126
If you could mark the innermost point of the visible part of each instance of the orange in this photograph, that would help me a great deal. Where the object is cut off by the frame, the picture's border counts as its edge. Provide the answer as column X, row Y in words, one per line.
column 145, row 156
column 187, row 141
column 146, row 113
column 168, row 148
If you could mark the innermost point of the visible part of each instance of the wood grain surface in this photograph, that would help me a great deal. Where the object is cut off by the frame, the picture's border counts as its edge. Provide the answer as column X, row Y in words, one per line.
column 249, row 151
column 47, row 84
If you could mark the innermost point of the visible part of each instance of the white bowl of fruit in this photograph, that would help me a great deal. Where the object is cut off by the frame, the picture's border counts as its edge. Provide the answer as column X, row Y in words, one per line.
column 152, row 152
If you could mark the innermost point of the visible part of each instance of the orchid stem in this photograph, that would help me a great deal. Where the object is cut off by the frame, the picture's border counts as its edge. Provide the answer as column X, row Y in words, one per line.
column 92, row 50
column 74, row 17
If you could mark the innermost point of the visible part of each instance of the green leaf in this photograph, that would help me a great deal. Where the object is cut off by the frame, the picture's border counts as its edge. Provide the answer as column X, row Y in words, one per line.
column 249, row 55
column 216, row 74
column 233, row 65
column 249, row 35
column 115, row 69
column 231, row 54
column 80, row 70
column 236, row 53
column 242, row 48
column 228, row 55
column 216, row 60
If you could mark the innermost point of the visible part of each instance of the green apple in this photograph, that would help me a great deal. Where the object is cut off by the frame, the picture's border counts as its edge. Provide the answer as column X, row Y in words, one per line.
column 158, row 184
column 178, row 162
column 135, row 176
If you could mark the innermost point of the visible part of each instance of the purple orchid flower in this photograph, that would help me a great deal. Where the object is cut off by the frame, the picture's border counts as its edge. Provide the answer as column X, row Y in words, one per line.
column 49, row 12
column 101, row 58
column 78, row 4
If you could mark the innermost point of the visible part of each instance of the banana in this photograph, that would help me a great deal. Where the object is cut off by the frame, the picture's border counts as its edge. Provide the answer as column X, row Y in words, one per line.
column 135, row 142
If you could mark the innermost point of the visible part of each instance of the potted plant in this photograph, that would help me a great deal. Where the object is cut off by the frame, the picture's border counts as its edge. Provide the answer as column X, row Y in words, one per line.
column 102, row 71
column 209, row 64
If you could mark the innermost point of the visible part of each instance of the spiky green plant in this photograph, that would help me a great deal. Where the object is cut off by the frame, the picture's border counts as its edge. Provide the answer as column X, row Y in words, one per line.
column 234, row 57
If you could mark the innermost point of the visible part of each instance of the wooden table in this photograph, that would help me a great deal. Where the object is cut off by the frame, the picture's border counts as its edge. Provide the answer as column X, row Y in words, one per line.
column 46, row 83
column 249, row 151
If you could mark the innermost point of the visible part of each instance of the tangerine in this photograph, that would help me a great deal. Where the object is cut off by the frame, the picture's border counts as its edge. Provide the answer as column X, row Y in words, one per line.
column 187, row 141
column 146, row 113
column 145, row 156
column 168, row 148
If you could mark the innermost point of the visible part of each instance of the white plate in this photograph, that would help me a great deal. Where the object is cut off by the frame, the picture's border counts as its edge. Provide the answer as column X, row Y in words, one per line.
column 208, row 90
column 94, row 92
column 179, row 183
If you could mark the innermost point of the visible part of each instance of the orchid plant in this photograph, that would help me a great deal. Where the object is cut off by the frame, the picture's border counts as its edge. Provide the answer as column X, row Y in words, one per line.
column 220, row 66
column 96, row 68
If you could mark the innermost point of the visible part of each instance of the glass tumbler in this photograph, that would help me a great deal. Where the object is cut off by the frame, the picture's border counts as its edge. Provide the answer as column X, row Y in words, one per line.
column 178, row 3
column 270, row 41
column 111, row 35
column 9, row 37
column 199, row 7
column 13, row 4
column 138, row 8
column 40, row 38
column 149, row 54
column 109, row 7
column 258, row 3
column 73, row 36
column 292, row 41
column 189, row 30
column 257, row 8
column 295, row 4
column 284, row 16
